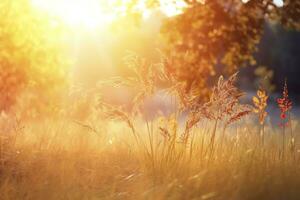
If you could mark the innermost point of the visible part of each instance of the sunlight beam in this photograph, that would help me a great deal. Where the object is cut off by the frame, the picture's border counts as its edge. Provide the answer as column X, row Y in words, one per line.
column 77, row 13
column 93, row 14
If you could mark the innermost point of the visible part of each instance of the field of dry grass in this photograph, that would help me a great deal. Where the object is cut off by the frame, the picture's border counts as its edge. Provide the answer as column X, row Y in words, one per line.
column 80, row 121
column 62, row 159
column 221, row 149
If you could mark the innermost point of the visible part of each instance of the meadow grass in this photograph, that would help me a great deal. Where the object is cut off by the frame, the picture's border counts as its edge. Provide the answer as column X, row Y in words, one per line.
column 216, row 149
column 62, row 159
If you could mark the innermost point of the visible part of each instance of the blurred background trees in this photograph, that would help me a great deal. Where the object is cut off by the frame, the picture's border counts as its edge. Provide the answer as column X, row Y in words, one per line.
column 279, row 49
column 216, row 37
column 31, row 57
column 204, row 40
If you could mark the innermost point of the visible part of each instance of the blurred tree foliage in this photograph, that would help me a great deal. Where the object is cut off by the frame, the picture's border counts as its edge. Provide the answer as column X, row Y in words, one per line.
column 279, row 49
column 31, row 63
column 219, row 36
column 264, row 79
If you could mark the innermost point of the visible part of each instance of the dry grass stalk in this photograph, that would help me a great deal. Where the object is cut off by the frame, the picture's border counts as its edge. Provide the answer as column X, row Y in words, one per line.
column 178, row 88
column 285, row 105
column 143, row 79
column 224, row 105
column 189, row 101
column 260, row 106
column 117, row 113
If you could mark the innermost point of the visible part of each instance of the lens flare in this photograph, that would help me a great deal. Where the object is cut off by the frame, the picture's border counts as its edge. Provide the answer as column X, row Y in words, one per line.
column 77, row 13
column 92, row 14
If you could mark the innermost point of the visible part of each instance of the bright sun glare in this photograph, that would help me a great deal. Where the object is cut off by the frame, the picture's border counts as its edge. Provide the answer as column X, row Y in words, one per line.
column 79, row 13
column 93, row 14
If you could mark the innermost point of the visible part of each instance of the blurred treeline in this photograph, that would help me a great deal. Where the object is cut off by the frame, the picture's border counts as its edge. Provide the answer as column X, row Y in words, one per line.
column 32, row 60
column 219, row 37
column 280, row 51
column 206, row 40
column 278, row 59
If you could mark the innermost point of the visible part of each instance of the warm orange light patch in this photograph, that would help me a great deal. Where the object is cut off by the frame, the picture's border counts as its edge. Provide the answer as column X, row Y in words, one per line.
column 172, row 8
column 77, row 13
column 92, row 14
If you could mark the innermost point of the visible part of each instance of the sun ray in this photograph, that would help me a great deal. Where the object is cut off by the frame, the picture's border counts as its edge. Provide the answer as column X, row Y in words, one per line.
column 94, row 14
column 77, row 13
